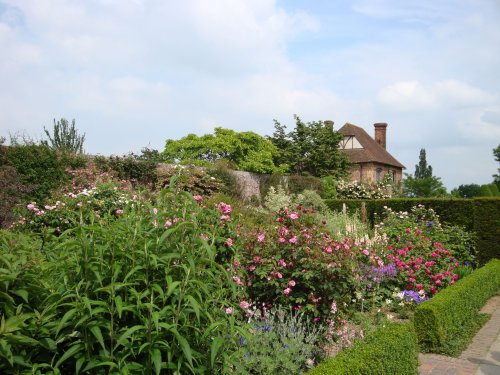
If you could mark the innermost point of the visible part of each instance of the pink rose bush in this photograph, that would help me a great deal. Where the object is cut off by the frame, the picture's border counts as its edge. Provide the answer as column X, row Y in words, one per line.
column 298, row 263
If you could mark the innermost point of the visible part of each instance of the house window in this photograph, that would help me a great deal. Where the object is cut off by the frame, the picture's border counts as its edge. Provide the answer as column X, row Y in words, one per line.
column 378, row 174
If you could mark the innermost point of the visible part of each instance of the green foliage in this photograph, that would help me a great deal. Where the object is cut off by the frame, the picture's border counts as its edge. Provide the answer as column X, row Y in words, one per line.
column 311, row 148
column 423, row 183
column 297, row 183
column 195, row 180
column 496, row 154
column 140, row 294
column 469, row 191
column 486, row 216
column 65, row 137
column 392, row 349
column 280, row 342
column 329, row 187
column 441, row 322
column 130, row 167
column 420, row 223
column 485, row 191
column 247, row 150
column 39, row 169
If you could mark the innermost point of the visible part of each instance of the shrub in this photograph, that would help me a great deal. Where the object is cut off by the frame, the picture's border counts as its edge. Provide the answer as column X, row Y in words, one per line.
column 422, row 225
column 40, row 169
column 280, row 341
column 441, row 322
column 486, row 215
column 192, row 179
column 392, row 349
column 359, row 190
column 140, row 294
column 297, row 263
column 131, row 168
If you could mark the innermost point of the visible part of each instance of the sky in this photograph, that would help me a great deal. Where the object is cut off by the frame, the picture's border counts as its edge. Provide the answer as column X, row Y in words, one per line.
column 134, row 73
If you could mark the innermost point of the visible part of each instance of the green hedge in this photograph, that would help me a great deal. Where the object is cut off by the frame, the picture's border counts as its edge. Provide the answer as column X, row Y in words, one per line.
column 392, row 349
column 481, row 215
column 486, row 215
column 440, row 322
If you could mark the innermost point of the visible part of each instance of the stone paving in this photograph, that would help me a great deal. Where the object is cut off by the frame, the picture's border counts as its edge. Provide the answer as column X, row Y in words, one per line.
column 482, row 357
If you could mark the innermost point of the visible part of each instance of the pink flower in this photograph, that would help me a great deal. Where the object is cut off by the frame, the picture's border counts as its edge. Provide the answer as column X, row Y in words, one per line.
column 316, row 319
column 291, row 283
column 282, row 263
column 279, row 275
column 293, row 239
column 287, row 291
column 244, row 304
column 119, row 211
column 237, row 280
column 198, row 198
column 366, row 252
column 229, row 242
column 155, row 210
column 257, row 259
column 251, row 268
column 167, row 224
column 328, row 249
column 229, row 311
column 282, row 240
column 261, row 237
column 30, row 206
column 224, row 208
column 293, row 216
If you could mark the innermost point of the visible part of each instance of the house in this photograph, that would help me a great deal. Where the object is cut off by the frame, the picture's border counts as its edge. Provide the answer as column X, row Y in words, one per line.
column 371, row 161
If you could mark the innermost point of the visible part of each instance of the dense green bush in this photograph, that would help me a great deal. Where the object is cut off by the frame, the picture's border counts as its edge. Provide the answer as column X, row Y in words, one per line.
column 486, row 215
column 139, row 294
column 392, row 349
column 41, row 170
column 442, row 321
column 130, row 167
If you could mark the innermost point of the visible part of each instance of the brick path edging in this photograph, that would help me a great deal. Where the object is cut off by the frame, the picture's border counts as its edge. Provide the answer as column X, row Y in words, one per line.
column 468, row 362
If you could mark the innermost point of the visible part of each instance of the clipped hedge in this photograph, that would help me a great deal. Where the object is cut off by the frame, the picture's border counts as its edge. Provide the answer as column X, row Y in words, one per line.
column 481, row 215
column 392, row 349
column 440, row 322
column 487, row 227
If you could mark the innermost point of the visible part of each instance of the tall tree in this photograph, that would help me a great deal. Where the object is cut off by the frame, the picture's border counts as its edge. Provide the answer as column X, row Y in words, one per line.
column 496, row 154
column 311, row 148
column 423, row 183
column 469, row 190
column 65, row 137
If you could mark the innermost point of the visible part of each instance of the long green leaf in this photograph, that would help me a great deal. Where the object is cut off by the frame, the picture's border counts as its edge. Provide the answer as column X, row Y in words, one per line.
column 156, row 358
column 186, row 348
column 96, row 331
column 125, row 335
column 69, row 353
column 214, row 349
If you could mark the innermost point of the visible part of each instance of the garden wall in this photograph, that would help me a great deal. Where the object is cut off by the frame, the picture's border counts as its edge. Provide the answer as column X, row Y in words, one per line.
column 481, row 215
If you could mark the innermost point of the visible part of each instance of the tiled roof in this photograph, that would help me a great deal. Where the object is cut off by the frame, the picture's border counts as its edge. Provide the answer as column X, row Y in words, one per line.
column 371, row 151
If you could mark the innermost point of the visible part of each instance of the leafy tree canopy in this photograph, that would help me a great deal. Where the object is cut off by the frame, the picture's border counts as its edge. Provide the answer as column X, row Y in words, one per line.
column 423, row 183
column 248, row 151
column 496, row 154
column 311, row 148
column 469, row 191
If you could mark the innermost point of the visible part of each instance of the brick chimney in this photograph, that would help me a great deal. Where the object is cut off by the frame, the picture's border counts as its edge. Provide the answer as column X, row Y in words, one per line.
column 380, row 132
